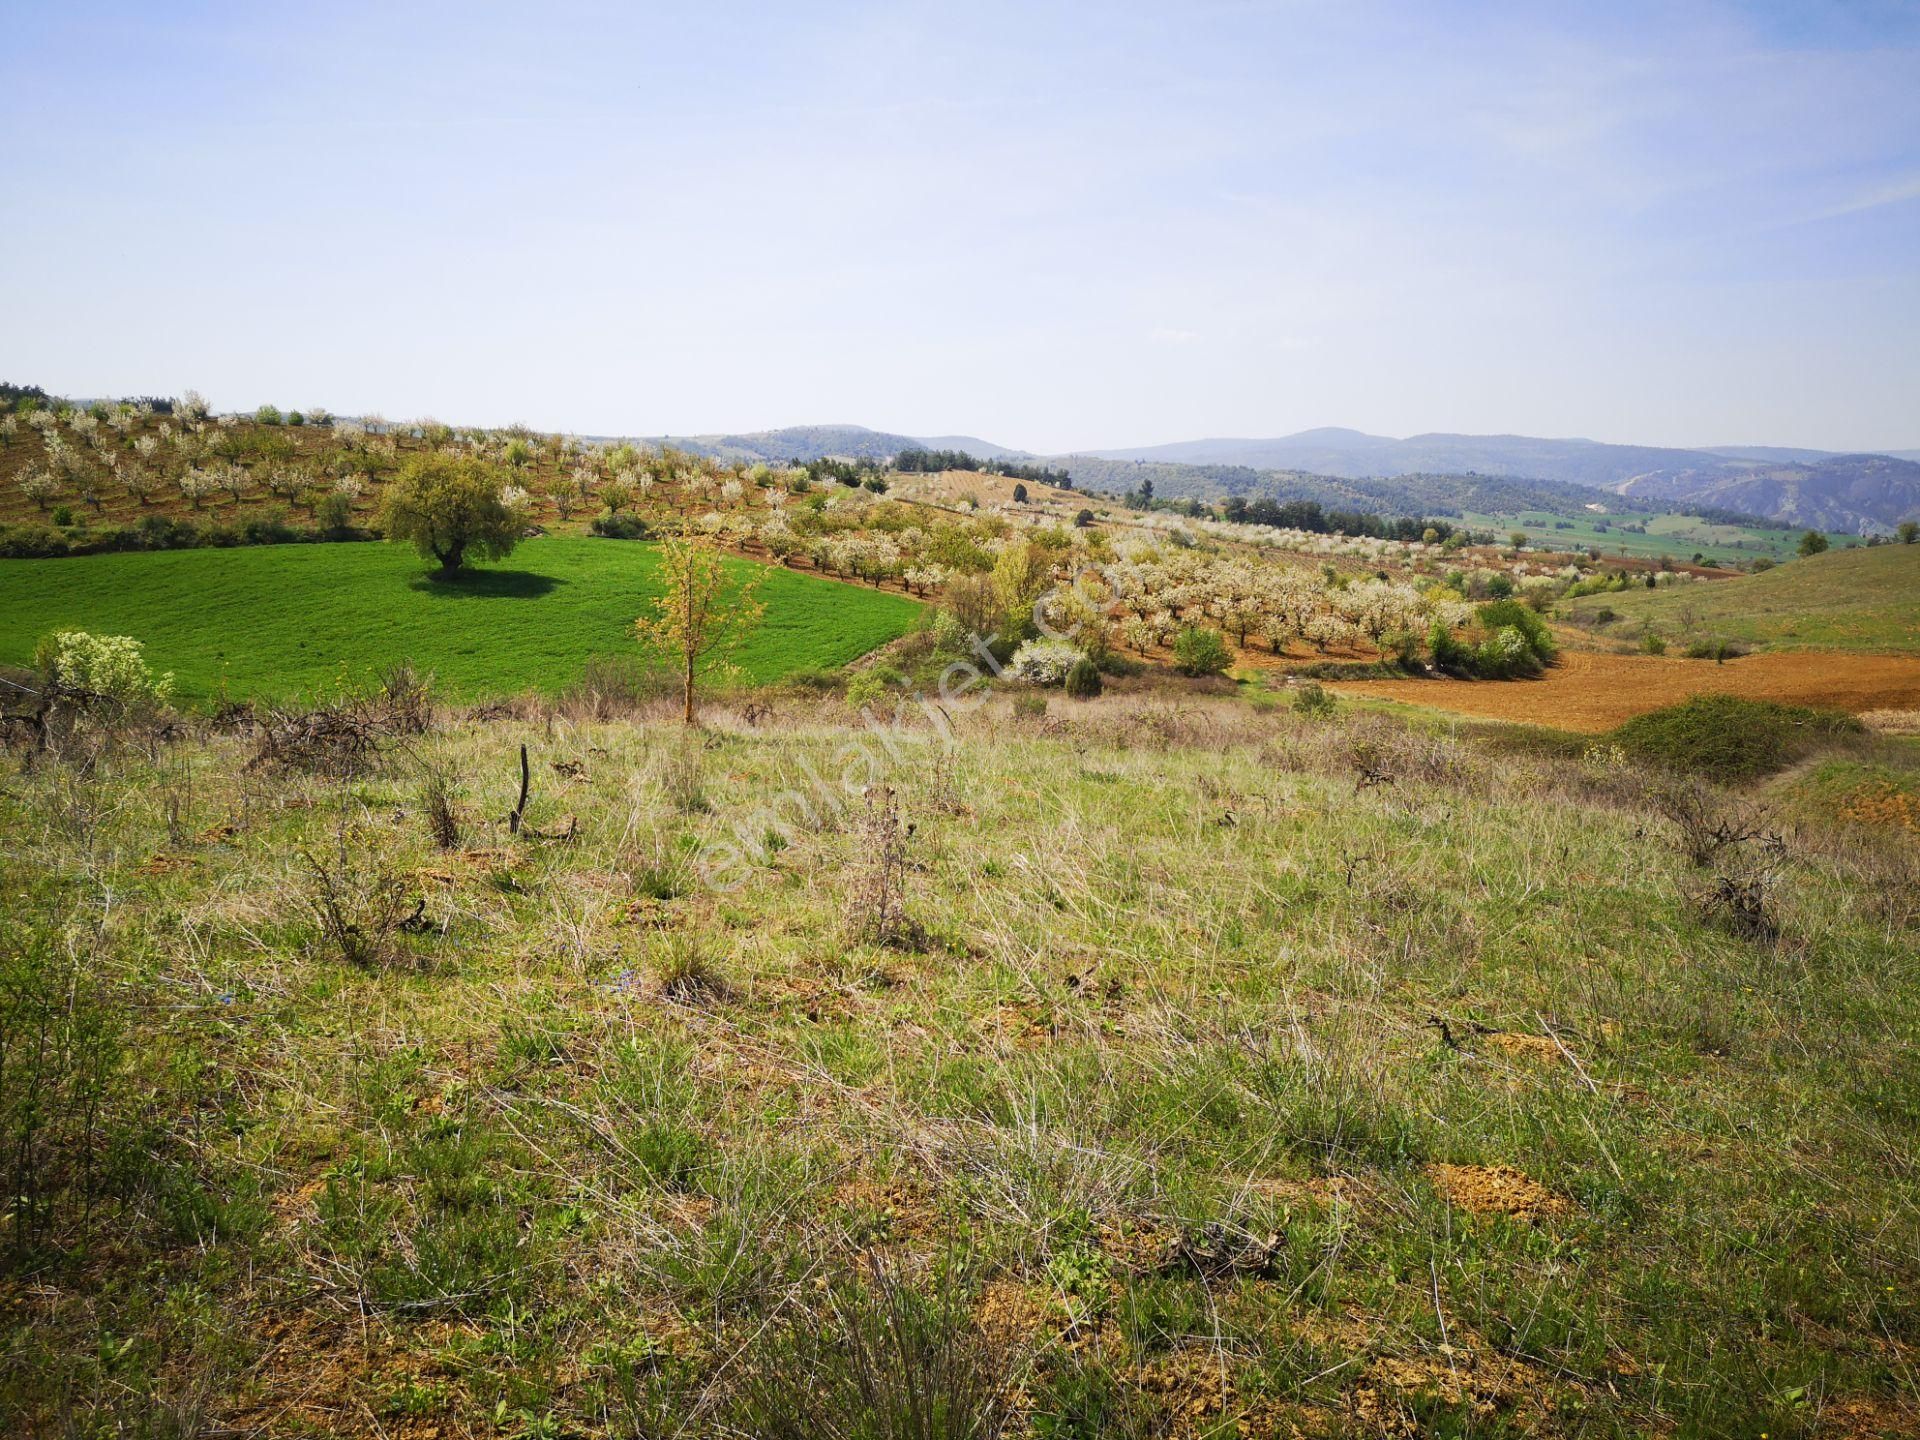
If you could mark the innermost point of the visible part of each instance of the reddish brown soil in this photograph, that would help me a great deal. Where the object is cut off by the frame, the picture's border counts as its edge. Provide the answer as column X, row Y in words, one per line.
column 1591, row 692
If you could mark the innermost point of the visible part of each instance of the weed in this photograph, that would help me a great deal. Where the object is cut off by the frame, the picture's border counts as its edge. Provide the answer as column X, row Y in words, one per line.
column 436, row 799
column 358, row 905
column 897, row 1362
column 877, row 905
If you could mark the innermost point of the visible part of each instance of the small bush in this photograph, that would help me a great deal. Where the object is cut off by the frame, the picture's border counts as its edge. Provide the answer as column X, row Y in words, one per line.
column 1653, row 643
column 1083, row 680
column 1728, row 739
column 1044, row 662
column 624, row 526
column 1312, row 701
column 110, row 669
column 1201, row 651
column 869, row 687
column 816, row 680
column 61, row 1035
column 358, row 907
column 1719, row 651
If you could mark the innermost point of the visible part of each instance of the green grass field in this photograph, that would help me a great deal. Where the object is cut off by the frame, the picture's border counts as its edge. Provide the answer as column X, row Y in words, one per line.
column 1680, row 536
column 280, row 620
column 1448, row 1107
column 1864, row 599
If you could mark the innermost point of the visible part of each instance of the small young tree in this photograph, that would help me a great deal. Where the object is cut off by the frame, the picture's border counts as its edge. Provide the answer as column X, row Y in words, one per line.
column 448, row 507
column 40, row 486
column 1812, row 543
column 1200, row 651
column 700, row 619
column 1909, row 531
column 616, row 495
column 196, row 484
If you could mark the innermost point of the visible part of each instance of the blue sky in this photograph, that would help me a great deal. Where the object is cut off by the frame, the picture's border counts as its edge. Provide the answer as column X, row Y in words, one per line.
column 1051, row 225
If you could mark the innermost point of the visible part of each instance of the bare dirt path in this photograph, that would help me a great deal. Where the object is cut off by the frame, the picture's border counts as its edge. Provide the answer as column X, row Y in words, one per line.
column 1590, row 691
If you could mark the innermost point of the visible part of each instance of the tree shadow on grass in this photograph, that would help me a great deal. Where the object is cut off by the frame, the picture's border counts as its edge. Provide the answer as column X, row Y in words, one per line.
column 486, row 585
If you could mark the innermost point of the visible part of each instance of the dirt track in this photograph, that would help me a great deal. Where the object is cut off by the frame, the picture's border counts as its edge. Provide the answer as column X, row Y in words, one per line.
column 1591, row 692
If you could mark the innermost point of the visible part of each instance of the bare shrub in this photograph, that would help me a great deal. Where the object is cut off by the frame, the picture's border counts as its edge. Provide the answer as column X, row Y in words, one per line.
column 359, row 906
column 348, row 736
column 877, row 904
column 1706, row 825
column 405, row 699
column 1741, row 903
column 436, row 798
column 615, row 686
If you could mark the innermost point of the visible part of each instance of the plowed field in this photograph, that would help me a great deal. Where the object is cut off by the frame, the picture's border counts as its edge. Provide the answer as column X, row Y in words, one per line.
column 1591, row 692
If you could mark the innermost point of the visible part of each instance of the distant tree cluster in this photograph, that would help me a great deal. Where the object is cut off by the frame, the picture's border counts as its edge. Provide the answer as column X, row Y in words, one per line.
column 863, row 471
column 11, row 395
column 1310, row 516
column 933, row 462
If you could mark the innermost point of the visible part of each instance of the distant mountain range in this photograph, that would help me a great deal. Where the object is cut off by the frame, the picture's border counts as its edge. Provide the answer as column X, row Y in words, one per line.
column 1436, row 473
column 1819, row 488
column 816, row 442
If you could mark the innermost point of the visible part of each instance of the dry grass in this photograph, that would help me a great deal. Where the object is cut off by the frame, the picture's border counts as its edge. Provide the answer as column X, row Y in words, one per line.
column 1155, row 1135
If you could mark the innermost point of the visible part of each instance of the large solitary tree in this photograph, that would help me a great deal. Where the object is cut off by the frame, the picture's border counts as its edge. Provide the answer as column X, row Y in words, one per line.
column 450, row 507
column 699, row 616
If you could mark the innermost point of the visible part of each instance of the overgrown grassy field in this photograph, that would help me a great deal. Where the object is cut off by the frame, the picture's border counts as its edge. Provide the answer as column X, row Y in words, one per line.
column 1862, row 599
column 1172, row 1067
column 1669, row 533
column 274, row 621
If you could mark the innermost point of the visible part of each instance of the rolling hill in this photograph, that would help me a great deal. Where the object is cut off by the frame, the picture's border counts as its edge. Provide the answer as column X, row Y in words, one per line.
column 1867, row 598
column 816, row 442
column 1434, row 473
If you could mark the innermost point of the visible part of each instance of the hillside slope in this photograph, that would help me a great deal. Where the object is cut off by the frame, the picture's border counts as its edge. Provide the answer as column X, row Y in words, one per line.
column 1858, row 493
column 1862, row 599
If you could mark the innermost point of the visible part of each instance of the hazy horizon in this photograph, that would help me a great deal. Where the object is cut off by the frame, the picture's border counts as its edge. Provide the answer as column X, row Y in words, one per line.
column 1052, row 227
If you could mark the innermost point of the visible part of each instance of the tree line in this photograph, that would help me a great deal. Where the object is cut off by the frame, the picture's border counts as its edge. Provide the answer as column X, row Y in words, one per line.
column 932, row 462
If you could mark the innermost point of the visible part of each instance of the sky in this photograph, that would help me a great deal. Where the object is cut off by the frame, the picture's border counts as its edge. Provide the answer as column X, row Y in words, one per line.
column 1055, row 226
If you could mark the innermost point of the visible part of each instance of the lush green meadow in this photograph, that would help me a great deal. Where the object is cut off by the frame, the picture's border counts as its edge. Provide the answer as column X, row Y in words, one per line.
column 283, row 620
column 1862, row 599
column 1674, row 534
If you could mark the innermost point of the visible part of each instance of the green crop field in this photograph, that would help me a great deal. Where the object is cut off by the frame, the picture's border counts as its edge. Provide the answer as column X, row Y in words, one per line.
column 281, row 620
column 1680, row 536
column 1863, row 599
